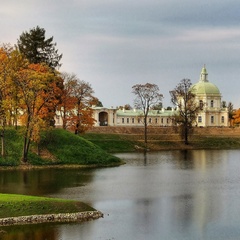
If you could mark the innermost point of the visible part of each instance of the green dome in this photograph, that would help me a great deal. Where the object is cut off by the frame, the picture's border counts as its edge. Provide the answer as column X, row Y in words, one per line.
column 204, row 86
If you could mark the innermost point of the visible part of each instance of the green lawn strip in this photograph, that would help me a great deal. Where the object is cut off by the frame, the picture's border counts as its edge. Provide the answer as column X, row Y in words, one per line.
column 112, row 142
column 14, row 205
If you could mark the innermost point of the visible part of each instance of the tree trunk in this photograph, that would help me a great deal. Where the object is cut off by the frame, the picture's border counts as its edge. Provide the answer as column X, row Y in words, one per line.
column 145, row 131
column 3, row 143
column 186, row 135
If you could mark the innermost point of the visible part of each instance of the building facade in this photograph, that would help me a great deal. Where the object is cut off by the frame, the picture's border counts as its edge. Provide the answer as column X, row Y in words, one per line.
column 207, row 96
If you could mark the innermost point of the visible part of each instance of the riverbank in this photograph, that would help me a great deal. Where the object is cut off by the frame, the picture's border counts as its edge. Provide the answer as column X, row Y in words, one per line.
column 129, row 139
column 57, row 147
column 22, row 209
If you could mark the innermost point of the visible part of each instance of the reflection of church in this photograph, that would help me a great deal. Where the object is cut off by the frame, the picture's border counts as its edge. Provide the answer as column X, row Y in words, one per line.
column 207, row 95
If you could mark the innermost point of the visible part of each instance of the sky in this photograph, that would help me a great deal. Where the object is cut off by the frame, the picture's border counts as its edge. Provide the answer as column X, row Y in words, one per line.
column 115, row 44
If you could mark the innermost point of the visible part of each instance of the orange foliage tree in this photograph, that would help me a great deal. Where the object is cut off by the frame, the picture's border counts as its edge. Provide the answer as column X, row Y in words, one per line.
column 236, row 117
column 76, row 102
column 37, row 93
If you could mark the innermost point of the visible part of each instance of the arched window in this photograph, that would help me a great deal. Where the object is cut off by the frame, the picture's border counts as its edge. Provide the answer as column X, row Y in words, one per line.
column 201, row 104
column 212, row 103
column 212, row 119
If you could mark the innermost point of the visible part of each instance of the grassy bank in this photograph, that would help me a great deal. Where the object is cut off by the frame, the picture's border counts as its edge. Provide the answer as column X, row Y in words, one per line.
column 58, row 147
column 113, row 142
column 133, row 142
column 13, row 205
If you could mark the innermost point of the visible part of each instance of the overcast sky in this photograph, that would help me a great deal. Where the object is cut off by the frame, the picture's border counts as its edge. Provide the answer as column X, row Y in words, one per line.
column 114, row 44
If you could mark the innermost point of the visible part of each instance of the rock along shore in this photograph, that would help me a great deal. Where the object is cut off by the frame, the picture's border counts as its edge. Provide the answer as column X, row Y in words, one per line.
column 60, row 217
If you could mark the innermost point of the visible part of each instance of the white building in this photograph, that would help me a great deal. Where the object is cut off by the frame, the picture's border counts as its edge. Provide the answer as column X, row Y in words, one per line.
column 209, row 98
column 207, row 95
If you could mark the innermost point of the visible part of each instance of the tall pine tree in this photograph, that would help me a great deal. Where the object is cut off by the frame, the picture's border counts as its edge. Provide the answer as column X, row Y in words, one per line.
column 37, row 49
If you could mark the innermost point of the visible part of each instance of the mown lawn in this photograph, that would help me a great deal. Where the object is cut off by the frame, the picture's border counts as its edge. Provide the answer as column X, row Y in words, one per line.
column 14, row 205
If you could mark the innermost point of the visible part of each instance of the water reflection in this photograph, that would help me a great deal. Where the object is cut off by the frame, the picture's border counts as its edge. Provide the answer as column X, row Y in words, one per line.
column 42, row 182
column 156, row 195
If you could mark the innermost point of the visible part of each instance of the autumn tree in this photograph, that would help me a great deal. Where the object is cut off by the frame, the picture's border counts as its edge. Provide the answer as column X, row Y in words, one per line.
column 37, row 49
column 76, row 104
column 67, row 104
column 187, row 108
column 83, row 93
column 147, row 95
column 4, row 78
column 36, row 85
column 236, row 117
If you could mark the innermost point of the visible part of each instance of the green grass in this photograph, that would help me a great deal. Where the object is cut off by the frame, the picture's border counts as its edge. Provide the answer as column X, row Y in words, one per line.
column 69, row 148
column 63, row 146
column 217, row 143
column 112, row 142
column 13, row 205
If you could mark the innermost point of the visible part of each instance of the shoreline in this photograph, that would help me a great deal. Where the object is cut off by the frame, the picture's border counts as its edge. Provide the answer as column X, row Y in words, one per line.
column 45, row 218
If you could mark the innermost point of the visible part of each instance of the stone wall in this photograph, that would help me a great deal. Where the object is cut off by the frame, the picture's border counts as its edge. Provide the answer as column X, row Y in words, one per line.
column 207, row 131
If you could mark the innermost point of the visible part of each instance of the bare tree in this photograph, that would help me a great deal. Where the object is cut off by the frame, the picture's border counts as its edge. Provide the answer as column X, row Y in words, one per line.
column 187, row 107
column 147, row 95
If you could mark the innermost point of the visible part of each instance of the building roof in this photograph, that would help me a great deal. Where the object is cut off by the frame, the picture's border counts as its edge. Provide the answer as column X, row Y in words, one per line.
column 204, row 86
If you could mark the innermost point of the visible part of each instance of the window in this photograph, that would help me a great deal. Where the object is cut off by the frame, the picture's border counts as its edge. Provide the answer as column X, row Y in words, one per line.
column 132, row 120
column 150, row 120
column 122, row 120
column 161, row 120
column 199, row 119
column 222, row 119
column 127, row 120
column 201, row 104
column 139, row 120
column 212, row 119
column 211, row 103
column 58, row 119
column 156, row 120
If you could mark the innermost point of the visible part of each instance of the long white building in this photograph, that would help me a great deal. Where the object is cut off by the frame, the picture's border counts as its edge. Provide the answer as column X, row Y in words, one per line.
column 207, row 95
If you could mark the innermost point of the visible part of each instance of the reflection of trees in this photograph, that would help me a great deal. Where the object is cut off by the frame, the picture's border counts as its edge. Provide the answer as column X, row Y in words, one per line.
column 36, row 232
column 42, row 182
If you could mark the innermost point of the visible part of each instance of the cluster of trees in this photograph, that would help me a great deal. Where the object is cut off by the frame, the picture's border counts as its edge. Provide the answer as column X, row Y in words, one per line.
column 32, row 89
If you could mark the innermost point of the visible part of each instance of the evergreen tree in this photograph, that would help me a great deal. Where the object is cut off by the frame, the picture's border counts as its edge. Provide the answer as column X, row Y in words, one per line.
column 37, row 49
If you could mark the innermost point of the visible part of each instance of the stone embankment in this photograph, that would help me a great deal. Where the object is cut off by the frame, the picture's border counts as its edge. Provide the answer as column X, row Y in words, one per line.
column 171, row 133
column 60, row 217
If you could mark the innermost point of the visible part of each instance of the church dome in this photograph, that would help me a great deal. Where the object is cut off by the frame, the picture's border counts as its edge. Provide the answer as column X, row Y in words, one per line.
column 204, row 86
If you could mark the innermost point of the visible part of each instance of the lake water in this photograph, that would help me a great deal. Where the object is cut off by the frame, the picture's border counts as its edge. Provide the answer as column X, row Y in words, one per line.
column 159, row 195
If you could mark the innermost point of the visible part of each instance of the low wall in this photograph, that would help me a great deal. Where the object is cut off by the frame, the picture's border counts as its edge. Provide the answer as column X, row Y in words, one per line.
column 61, row 217
column 205, row 131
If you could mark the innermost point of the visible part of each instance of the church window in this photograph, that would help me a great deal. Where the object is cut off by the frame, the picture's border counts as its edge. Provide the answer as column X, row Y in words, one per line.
column 201, row 104
column 150, row 120
column 211, row 103
column 212, row 119
column 127, row 120
column 122, row 120
column 156, row 120
column 132, row 120
column 199, row 119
